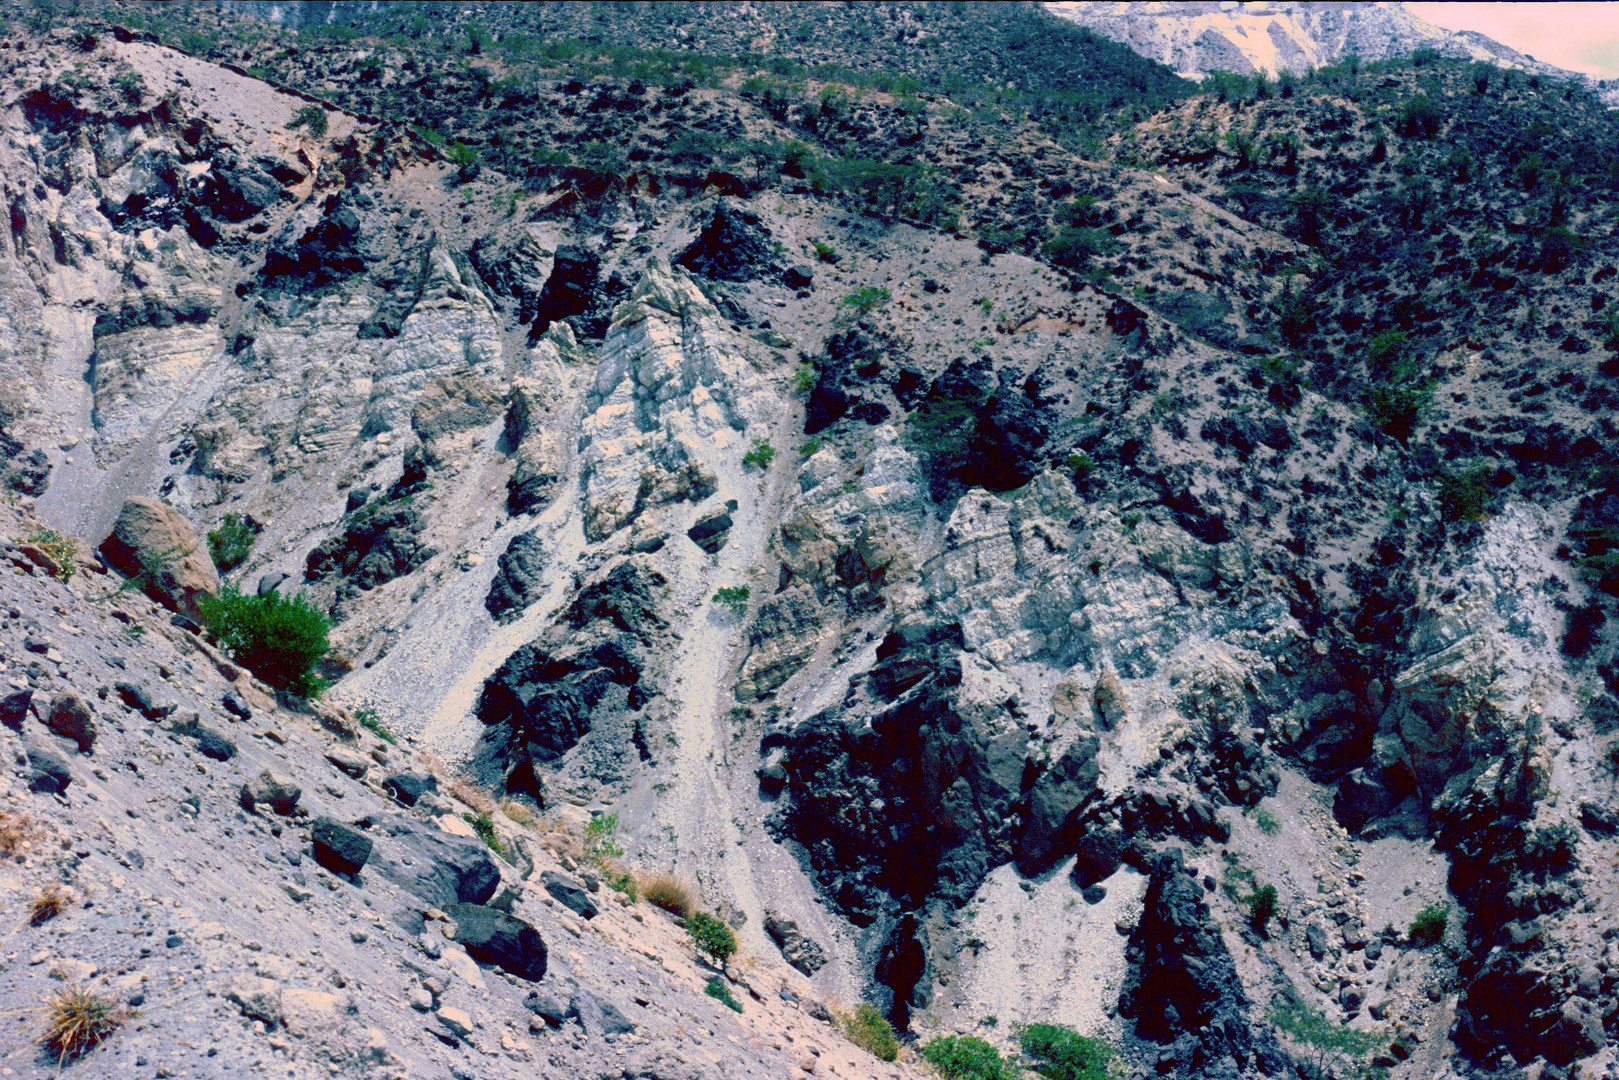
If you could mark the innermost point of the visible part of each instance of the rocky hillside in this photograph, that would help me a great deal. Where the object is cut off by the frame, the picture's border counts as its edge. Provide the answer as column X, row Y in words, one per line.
column 1017, row 542
column 1198, row 39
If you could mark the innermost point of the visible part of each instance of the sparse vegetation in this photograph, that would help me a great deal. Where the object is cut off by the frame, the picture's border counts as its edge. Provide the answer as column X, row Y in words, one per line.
column 870, row 1030
column 280, row 639
column 720, row 991
column 1265, row 821
column 18, row 831
column 1330, row 1048
column 77, row 1019
column 367, row 718
column 1261, row 906
column 48, row 902
column 712, row 937
column 232, row 542
column 63, row 550
column 312, row 118
column 760, row 456
column 601, row 844
column 866, row 299
column 484, row 826
column 1428, row 928
column 734, row 597
column 1464, row 495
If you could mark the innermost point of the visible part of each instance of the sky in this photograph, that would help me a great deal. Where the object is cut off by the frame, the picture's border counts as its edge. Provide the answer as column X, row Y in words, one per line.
column 1580, row 37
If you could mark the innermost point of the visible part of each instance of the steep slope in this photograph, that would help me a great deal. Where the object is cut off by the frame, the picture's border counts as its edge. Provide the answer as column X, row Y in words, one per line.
column 977, row 569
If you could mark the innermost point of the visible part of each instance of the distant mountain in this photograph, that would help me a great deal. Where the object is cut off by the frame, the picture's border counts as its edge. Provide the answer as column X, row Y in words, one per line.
column 1197, row 38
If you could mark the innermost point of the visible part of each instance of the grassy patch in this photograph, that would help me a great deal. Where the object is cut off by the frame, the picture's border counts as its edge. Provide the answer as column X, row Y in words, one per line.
column 761, row 455
column 734, row 597
column 484, row 826
column 62, row 549
column 77, row 1019
column 663, row 889
column 367, row 718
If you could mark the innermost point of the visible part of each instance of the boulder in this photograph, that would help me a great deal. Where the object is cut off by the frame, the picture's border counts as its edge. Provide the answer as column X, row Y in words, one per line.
column 796, row 949
column 153, row 541
column 47, row 771
column 598, row 1016
column 494, row 937
column 569, row 893
column 271, row 789
column 711, row 530
column 14, row 708
column 408, row 787
column 454, row 403
column 436, row 867
column 71, row 719
column 338, row 847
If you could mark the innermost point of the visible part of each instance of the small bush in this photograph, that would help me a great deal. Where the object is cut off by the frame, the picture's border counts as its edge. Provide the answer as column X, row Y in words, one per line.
column 601, row 843
column 231, row 543
column 367, row 718
column 1065, row 1054
column 966, row 1057
column 623, row 882
column 826, row 252
column 870, row 1030
column 76, row 1020
column 1074, row 247
column 804, row 378
column 761, row 455
column 1428, row 928
column 1081, row 465
column 63, row 550
column 721, row 992
column 1261, row 906
column 484, row 826
column 665, row 890
column 131, row 86
column 280, row 639
column 17, row 832
column 1464, row 495
column 461, row 154
column 711, row 936
column 866, row 299
column 1266, row 822
column 312, row 118
column 734, row 597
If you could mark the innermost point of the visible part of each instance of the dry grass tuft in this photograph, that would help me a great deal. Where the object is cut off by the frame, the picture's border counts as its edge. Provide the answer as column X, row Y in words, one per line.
column 472, row 795
column 76, row 1019
column 49, row 902
column 520, row 812
column 17, row 831
column 667, row 891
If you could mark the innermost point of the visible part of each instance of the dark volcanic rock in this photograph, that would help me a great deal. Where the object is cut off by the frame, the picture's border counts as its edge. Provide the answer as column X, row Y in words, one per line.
column 338, row 847
column 796, row 949
column 517, row 580
column 734, row 246
column 374, row 547
column 408, row 787
column 1182, row 981
column 437, row 867
column 711, row 530
column 71, row 719
column 323, row 255
column 494, row 937
column 14, row 708
column 47, row 771
column 569, row 893
column 570, row 288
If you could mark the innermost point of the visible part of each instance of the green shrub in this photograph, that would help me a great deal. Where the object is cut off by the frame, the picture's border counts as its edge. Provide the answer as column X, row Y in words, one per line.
column 761, row 455
column 1428, row 928
column 1420, row 118
column 711, row 936
column 1266, row 821
column 1074, row 247
column 280, row 639
column 131, row 86
column 1261, row 906
column 460, row 153
column 1062, row 1053
column 312, row 117
column 965, row 1057
column 721, row 992
column 826, row 252
column 866, row 299
column 870, row 1030
column 231, row 543
column 484, row 826
column 1395, row 410
column 1327, row 1042
column 804, row 378
column 601, row 843
column 1081, row 465
column 1464, row 495
column 734, row 597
